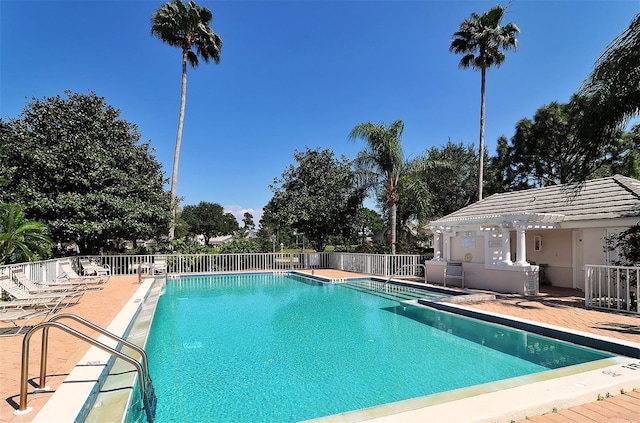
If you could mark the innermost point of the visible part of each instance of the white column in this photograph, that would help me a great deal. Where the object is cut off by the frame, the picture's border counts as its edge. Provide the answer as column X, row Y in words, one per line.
column 446, row 252
column 437, row 245
column 522, row 247
column 506, row 247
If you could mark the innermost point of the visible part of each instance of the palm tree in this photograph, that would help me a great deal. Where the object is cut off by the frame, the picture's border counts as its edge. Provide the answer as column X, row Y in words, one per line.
column 185, row 26
column 610, row 96
column 383, row 161
column 481, row 39
column 21, row 239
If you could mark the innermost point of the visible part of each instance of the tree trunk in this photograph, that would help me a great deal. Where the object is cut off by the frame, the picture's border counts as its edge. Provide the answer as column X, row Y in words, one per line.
column 481, row 146
column 392, row 223
column 176, row 153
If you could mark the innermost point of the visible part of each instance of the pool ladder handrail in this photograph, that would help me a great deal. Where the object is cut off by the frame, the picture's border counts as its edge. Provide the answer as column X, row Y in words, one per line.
column 144, row 379
column 409, row 265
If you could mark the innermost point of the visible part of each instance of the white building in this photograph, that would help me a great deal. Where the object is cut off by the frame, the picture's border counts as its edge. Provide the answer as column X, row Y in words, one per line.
column 505, row 239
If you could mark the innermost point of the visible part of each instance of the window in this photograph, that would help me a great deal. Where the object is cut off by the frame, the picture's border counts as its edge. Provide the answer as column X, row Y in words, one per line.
column 537, row 243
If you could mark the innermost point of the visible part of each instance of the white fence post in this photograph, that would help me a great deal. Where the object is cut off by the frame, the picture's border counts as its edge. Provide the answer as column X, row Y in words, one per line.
column 612, row 287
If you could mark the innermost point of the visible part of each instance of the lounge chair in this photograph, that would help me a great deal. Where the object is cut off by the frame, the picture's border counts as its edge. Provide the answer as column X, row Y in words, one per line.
column 70, row 276
column 13, row 314
column 159, row 265
column 39, row 288
column 49, row 300
column 91, row 268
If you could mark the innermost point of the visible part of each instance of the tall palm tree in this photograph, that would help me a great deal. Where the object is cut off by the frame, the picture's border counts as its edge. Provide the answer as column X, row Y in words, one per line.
column 185, row 26
column 610, row 96
column 481, row 39
column 383, row 160
column 21, row 239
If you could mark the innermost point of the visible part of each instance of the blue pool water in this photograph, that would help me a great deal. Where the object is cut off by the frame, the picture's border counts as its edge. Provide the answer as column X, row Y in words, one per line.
column 273, row 348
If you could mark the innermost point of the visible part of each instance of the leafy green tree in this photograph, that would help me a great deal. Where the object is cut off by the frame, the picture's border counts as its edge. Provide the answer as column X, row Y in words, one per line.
column 81, row 170
column 541, row 151
column 247, row 221
column 179, row 246
column 367, row 223
column 186, row 26
column 544, row 151
column 319, row 197
column 413, row 195
column 414, row 205
column 627, row 245
column 381, row 162
column 208, row 219
column 500, row 175
column 610, row 96
column 623, row 156
column 21, row 239
column 453, row 186
column 481, row 39
column 247, row 225
column 240, row 245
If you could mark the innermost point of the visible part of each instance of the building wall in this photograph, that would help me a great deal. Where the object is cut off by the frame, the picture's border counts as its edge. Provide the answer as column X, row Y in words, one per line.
column 476, row 276
column 563, row 254
column 593, row 244
column 556, row 253
column 556, row 247
column 467, row 246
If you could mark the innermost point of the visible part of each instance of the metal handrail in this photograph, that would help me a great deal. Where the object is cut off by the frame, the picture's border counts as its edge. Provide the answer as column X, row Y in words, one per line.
column 24, row 372
column 409, row 265
column 45, row 345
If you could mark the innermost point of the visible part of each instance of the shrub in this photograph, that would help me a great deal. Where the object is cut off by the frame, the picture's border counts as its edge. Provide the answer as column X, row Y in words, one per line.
column 627, row 244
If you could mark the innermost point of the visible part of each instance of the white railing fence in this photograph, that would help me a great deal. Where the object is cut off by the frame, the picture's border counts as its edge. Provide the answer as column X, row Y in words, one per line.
column 606, row 287
column 379, row 264
column 612, row 288
column 210, row 263
column 48, row 271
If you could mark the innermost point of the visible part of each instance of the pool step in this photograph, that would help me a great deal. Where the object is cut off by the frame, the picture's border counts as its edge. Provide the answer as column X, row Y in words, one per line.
column 389, row 291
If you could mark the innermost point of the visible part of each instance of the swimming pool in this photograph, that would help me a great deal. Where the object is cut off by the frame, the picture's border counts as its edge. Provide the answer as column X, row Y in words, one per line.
column 264, row 347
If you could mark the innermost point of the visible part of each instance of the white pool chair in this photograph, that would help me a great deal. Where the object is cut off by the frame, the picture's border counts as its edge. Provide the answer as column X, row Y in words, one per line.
column 91, row 268
column 13, row 315
column 48, row 300
column 70, row 276
column 40, row 288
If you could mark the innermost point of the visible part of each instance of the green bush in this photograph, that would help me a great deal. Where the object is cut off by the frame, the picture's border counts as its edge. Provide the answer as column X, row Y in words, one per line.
column 627, row 245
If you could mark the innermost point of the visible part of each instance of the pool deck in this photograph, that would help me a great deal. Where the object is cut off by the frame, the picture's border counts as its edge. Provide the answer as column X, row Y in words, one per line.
column 554, row 306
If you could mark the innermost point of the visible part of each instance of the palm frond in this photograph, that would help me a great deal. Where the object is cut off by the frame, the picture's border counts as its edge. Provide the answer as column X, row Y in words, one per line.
column 481, row 39
column 187, row 26
column 614, row 85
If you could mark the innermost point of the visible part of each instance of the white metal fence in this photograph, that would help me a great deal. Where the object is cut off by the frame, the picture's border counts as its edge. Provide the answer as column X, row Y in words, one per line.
column 606, row 287
column 48, row 271
column 612, row 288
column 379, row 264
column 212, row 263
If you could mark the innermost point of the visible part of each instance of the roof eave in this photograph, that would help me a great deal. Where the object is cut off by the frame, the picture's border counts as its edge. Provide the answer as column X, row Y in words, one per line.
column 551, row 219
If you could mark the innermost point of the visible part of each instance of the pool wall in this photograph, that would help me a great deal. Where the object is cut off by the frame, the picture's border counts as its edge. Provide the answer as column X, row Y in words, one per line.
column 619, row 347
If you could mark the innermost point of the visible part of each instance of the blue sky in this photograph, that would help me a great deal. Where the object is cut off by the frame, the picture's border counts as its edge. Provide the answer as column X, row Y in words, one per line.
column 296, row 74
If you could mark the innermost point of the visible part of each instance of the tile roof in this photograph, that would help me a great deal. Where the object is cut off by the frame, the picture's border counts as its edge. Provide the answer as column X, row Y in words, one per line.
column 606, row 198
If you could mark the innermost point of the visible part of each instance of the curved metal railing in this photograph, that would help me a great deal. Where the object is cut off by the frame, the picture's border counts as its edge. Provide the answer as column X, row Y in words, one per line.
column 144, row 380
